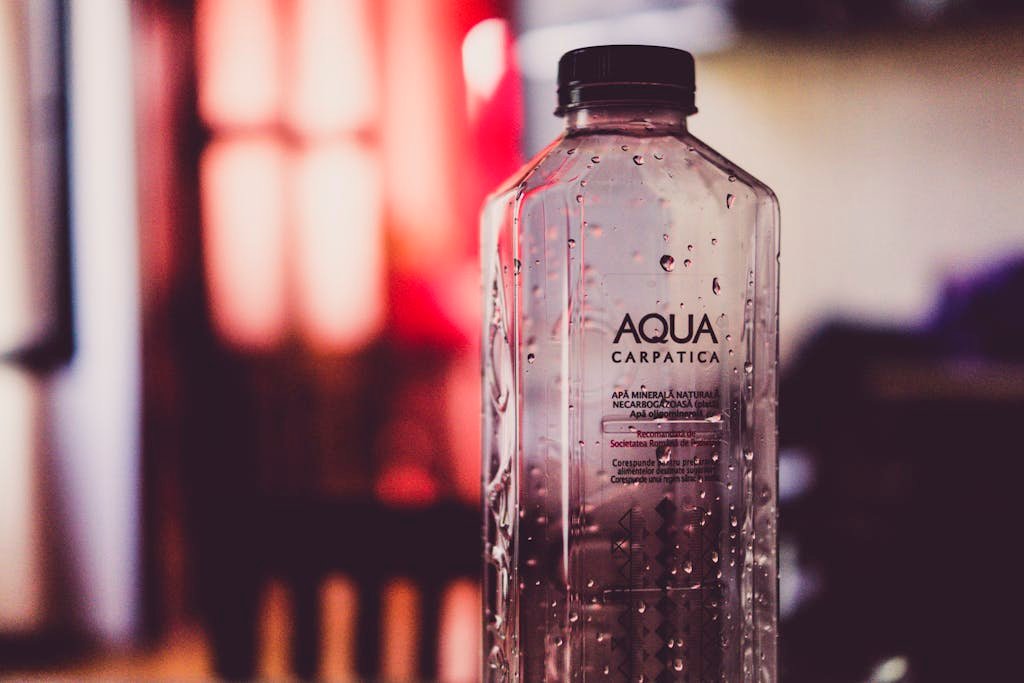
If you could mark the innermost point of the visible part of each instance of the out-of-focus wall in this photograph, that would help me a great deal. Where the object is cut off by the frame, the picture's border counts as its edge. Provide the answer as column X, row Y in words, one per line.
column 897, row 160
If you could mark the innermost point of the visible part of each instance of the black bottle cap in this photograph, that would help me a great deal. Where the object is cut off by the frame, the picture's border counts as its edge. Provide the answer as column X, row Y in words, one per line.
column 626, row 74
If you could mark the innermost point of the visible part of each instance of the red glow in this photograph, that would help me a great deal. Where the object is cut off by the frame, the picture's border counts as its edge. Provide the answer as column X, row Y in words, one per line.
column 407, row 485
column 423, row 123
column 243, row 218
column 238, row 61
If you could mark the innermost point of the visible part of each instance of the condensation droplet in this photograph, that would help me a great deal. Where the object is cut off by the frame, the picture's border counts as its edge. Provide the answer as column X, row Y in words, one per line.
column 687, row 263
column 748, row 367
column 664, row 454
column 659, row 156
column 714, row 241
column 668, row 263
column 641, row 607
column 715, row 287
column 530, row 357
column 689, row 247
column 625, row 148
column 518, row 265
column 677, row 664
column 579, row 199
column 730, row 199
column 571, row 150
column 732, row 179
column 572, row 243
column 596, row 159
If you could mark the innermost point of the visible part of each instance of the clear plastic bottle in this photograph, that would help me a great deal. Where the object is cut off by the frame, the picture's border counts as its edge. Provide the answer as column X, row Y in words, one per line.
column 629, row 408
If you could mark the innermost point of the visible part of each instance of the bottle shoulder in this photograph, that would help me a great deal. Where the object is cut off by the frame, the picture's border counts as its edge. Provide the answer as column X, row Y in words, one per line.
column 657, row 164
column 524, row 173
column 733, row 171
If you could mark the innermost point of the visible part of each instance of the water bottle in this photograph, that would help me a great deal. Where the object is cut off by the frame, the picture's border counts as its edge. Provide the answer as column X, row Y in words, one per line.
column 630, row 347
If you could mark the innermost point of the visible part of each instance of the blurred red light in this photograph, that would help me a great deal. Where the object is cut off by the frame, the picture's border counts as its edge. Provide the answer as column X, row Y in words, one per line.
column 243, row 207
column 339, row 246
column 331, row 83
column 238, row 60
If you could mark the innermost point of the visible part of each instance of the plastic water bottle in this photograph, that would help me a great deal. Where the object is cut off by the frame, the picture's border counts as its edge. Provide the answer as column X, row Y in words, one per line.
column 629, row 393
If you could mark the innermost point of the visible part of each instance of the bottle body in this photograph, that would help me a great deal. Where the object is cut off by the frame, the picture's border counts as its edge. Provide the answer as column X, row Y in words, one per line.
column 630, row 354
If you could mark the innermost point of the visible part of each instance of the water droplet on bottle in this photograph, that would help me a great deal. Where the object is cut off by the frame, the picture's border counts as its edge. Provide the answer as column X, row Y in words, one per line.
column 638, row 159
column 625, row 148
column 687, row 263
column 714, row 556
column 571, row 150
column 573, row 617
column 677, row 664
column 583, row 183
column 664, row 236
column 668, row 263
column 689, row 247
column 530, row 358
column 748, row 367
column 732, row 179
column 688, row 567
column 659, row 156
column 729, row 200
column 715, row 287
column 579, row 199
column 714, row 241
column 641, row 607
column 596, row 159
column 590, row 583
column 572, row 243
column 558, row 641
column 606, row 670
column 664, row 454
column 518, row 265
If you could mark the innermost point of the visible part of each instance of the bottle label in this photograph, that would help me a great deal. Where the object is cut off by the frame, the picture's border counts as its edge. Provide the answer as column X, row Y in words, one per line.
column 660, row 489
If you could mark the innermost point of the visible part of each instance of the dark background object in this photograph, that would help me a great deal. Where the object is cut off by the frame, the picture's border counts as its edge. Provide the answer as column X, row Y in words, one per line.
column 915, row 442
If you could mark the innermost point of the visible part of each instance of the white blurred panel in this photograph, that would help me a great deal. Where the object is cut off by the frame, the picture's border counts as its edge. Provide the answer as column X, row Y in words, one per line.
column 96, row 400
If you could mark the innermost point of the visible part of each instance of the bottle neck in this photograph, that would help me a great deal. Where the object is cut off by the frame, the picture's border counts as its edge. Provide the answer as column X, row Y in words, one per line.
column 632, row 120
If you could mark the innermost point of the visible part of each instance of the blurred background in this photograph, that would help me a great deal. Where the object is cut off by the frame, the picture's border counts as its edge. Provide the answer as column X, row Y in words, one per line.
column 238, row 321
